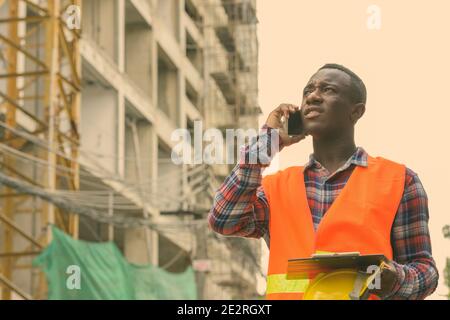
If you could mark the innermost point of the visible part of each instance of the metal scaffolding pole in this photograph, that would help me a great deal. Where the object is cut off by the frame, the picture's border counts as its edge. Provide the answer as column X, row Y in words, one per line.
column 42, row 74
column 12, row 92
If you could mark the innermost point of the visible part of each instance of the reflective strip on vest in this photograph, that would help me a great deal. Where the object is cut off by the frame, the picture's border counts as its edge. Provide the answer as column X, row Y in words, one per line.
column 278, row 283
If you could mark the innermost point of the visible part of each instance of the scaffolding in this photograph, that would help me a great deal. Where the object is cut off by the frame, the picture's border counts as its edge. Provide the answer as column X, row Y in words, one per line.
column 40, row 95
column 231, row 48
column 48, row 176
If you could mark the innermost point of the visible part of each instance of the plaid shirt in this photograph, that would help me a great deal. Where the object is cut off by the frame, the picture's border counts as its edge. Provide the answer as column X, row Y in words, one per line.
column 241, row 209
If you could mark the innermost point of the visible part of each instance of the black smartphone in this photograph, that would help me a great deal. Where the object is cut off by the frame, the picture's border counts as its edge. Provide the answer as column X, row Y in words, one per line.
column 295, row 124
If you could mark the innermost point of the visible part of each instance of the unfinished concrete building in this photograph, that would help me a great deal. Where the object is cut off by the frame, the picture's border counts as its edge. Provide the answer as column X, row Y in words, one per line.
column 90, row 94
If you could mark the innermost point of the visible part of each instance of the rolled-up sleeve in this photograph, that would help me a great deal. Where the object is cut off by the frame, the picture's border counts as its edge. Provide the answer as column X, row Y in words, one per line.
column 240, row 207
column 416, row 268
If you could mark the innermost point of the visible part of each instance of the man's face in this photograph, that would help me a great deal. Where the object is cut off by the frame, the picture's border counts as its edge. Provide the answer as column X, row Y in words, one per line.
column 327, row 104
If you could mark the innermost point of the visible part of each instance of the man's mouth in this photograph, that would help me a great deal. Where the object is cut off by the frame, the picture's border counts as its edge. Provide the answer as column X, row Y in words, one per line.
column 312, row 114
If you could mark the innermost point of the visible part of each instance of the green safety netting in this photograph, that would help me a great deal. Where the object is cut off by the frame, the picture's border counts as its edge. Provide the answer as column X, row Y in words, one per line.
column 78, row 269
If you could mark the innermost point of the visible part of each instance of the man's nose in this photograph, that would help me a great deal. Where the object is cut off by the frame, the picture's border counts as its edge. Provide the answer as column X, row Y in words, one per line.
column 314, row 97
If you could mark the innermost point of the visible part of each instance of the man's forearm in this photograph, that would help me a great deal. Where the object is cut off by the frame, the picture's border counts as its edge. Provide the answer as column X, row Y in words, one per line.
column 240, row 206
column 411, row 243
column 416, row 280
column 236, row 210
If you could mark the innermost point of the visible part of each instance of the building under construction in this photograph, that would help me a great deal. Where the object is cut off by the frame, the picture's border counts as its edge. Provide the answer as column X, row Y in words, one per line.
column 90, row 94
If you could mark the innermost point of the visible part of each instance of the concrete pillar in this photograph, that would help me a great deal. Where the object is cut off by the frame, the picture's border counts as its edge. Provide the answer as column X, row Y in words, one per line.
column 152, row 147
column 153, row 155
column 101, row 137
column 181, row 25
column 99, row 24
column 120, row 17
column 154, row 70
column 121, row 154
column 135, row 246
column 145, row 140
column 139, row 48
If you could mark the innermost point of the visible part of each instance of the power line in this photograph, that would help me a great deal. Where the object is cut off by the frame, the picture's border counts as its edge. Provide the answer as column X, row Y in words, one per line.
column 98, row 173
column 164, row 177
column 20, row 156
column 71, row 206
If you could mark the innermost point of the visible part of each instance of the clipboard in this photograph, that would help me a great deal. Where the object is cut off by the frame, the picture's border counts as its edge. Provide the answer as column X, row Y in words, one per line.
column 321, row 263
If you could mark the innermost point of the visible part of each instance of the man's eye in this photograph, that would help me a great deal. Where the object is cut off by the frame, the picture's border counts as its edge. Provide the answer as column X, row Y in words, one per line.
column 329, row 89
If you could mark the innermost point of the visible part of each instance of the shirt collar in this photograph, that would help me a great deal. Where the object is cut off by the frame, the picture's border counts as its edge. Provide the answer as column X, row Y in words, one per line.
column 359, row 158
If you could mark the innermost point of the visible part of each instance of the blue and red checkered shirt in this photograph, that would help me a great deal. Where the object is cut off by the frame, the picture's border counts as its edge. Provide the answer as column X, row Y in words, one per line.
column 241, row 209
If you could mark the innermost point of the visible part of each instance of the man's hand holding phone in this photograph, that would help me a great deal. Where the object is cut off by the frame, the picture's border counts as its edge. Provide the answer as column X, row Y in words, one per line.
column 279, row 119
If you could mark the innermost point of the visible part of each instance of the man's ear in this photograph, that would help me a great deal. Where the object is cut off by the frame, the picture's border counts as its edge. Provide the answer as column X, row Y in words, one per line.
column 357, row 112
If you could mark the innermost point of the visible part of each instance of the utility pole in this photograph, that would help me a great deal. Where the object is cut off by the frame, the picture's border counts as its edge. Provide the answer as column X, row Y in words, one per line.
column 201, row 254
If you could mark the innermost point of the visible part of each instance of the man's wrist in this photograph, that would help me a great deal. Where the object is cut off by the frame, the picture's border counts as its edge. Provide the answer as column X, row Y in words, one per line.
column 260, row 151
column 395, row 274
column 399, row 277
column 274, row 131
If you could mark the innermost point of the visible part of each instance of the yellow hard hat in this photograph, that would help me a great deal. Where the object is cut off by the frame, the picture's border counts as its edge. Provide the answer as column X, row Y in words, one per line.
column 337, row 285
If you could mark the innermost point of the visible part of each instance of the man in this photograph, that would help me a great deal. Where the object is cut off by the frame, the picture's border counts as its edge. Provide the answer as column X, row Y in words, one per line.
column 342, row 200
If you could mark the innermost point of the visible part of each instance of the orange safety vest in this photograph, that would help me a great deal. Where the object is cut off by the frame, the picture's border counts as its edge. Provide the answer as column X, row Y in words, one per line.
column 360, row 219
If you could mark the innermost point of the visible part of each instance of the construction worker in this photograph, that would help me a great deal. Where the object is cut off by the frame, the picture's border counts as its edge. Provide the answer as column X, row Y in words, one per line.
column 342, row 200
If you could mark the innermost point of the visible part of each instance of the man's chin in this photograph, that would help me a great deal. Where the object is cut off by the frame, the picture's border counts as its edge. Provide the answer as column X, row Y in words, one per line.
column 315, row 131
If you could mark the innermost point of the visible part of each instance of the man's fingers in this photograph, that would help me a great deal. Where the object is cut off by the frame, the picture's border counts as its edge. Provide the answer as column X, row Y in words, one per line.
column 287, row 109
column 280, row 115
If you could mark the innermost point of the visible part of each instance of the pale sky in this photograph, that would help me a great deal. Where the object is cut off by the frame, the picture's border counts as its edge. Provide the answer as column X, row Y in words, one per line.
column 405, row 65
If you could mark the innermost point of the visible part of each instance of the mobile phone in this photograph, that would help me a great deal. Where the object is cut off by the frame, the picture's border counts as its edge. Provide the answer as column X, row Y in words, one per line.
column 295, row 124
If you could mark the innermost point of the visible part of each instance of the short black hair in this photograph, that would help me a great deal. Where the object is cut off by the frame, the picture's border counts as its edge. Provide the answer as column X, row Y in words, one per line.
column 359, row 92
